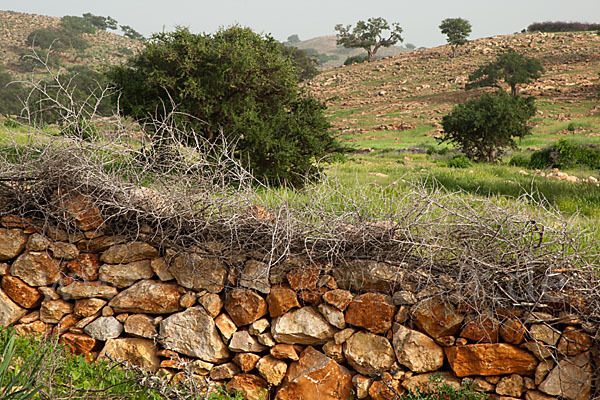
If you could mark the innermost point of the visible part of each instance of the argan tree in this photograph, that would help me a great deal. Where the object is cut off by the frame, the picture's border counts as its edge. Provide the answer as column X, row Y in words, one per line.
column 457, row 30
column 511, row 67
column 369, row 35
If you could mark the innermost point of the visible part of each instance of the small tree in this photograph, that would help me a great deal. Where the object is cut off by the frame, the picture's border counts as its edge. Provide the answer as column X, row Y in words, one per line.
column 305, row 65
column 100, row 22
column 484, row 127
column 511, row 67
column 131, row 33
column 457, row 30
column 292, row 40
column 369, row 35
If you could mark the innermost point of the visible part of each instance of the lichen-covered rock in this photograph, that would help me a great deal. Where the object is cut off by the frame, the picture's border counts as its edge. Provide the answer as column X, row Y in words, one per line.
column 417, row 351
column 36, row 268
column 124, row 275
column 511, row 385
column 139, row 352
column 140, row 325
column 437, row 318
column 86, row 266
column 242, row 342
column 52, row 311
column 372, row 311
column 244, row 306
column 20, row 292
column 82, row 290
column 193, row 333
column 369, row 354
column 12, row 243
column 334, row 316
column 272, row 369
column 196, row 272
column 10, row 312
column 490, row 359
column 104, row 328
column 302, row 326
column 128, row 252
column 256, row 276
column 148, row 297
column 281, row 300
column 87, row 307
column 570, row 379
column 78, row 343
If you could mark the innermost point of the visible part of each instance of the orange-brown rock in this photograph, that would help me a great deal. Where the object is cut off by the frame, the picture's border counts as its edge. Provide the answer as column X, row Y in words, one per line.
column 281, row 300
column 246, row 361
column 33, row 328
column 437, row 318
column 77, row 343
column 338, row 298
column 224, row 371
column 372, row 311
column 272, row 369
column 483, row 329
column 148, row 297
column 85, row 266
column 139, row 352
column 511, row 385
column 386, row 388
column 212, row 303
column 571, row 379
column 252, row 387
column 99, row 244
column 512, row 331
column 65, row 323
column 303, row 279
column 140, row 325
column 315, row 377
column 490, row 359
column 87, row 307
column 12, row 243
column 82, row 210
column 128, row 252
column 313, row 297
column 52, row 311
column 574, row 342
column 36, row 268
column 244, row 306
column 20, row 292
column 225, row 326
column 284, row 352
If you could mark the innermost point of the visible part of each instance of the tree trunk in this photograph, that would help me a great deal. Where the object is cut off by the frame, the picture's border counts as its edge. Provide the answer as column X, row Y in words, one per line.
column 513, row 90
column 370, row 55
column 453, row 51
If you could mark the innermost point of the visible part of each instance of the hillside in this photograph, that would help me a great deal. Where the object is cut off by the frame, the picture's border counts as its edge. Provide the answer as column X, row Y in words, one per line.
column 105, row 47
column 327, row 45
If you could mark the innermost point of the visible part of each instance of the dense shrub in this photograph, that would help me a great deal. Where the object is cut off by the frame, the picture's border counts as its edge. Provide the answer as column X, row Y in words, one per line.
column 76, row 25
column 438, row 389
column 459, row 161
column 58, row 39
column 305, row 65
column 560, row 26
column 360, row 58
column 564, row 155
column 11, row 94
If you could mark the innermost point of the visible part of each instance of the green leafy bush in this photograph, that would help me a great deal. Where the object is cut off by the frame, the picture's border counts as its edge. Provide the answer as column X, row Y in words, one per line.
column 440, row 390
column 459, row 161
column 57, row 39
column 564, row 155
column 76, row 25
column 520, row 160
column 18, row 378
column 304, row 64
column 360, row 58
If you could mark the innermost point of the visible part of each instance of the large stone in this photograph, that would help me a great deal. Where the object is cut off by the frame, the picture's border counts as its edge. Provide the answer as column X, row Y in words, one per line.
column 20, row 292
column 81, row 209
column 246, row 361
column 302, row 326
column 78, row 343
column 196, row 272
column 52, row 311
column 36, row 269
column 315, row 376
column 437, row 318
column 284, row 352
column 139, row 352
column 193, row 333
column 272, row 369
column 511, row 385
column 334, row 316
column 372, row 311
column 417, row 351
column 544, row 333
column 124, row 275
column 490, row 359
column 104, row 328
column 535, row 395
column 86, row 266
column 244, row 306
column 212, row 303
column 483, row 329
column 242, row 342
column 570, row 379
column 338, row 298
column 128, row 252
column 161, row 269
column 281, row 300
column 574, row 341
column 512, row 331
column 369, row 354
column 225, row 326
column 148, row 297
column 10, row 312
column 255, row 276
column 12, row 243
column 224, row 371
column 368, row 275
column 252, row 387
column 88, row 307
column 140, row 325
column 64, row 251
column 83, row 290
column 99, row 244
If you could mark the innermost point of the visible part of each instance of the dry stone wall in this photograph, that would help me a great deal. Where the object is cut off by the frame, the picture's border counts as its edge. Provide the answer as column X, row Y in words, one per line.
column 296, row 330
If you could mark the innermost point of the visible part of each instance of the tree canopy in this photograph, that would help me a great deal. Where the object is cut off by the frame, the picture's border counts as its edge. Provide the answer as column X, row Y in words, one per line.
column 457, row 31
column 101, row 22
column 369, row 35
column 511, row 67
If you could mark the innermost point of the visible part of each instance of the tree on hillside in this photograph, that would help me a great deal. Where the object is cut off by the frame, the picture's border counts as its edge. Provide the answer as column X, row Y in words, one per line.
column 292, row 40
column 76, row 25
column 457, row 30
column 369, row 35
column 305, row 65
column 236, row 82
column 100, row 22
column 12, row 94
column 484, row 127
column 511, row 67
column 131, row 33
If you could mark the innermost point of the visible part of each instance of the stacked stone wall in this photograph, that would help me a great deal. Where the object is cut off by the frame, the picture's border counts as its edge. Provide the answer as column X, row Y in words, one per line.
column 292, row 330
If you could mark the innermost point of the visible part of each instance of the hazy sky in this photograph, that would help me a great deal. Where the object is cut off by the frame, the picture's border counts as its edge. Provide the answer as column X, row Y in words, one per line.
column 311, row 18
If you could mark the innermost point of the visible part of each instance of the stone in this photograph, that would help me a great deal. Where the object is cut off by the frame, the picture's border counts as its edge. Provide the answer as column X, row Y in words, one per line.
column 187, row 300
column 372, row 311
column 246, row 361
column 125, row 275
column 85, row 321
column 243, row 342
column 65, row 323
column 30, row 317
column 193, row 333
column 361, row 386
column 402, row 315
column 195, row 272
column 64, row 251
column 480, row 384
column 244, row 306
column 104, row 328
column 303, row 278
column 437, row 318
column 343, row 335
column 128, row 252
column 81, row 209
column 367, row 275
column 48, row 293
column 539, row 349
column 369, row 354
column 33, row 328
column 483, row 329
column 571, row 379
column 87, row 307
column 259, row 326
column 20, row 292
column 86, row 266
column 78, row 343
column 544, row 333
column 490, row 359
column 334, row 351
column 386, row 389
column 272, row 369
column 252, row 387
column 212, row 303
column 52, row 311
column 37, row 242
column 225, row 326
column 535, row 395
column 327, row 281
column 512, row 331
column 148, row 297
column 302, row 326
column 12, row 243
column 99, row 244
column 529, row 383
column 266, row 339
column 135, row 351
column 224, row 371
column 446, row 341
column 4, row 268
column 315, row 376
column 416, row 351
column 281, row 300
column 334, row 316
column 338, row 298
column 404, row 298
column 140, row 325
column 161, row 269
column 82, row 290
column 574, row 342
column 36, row 269
column 255, row 276
column 284, row 352
column 511, row 385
